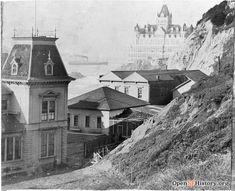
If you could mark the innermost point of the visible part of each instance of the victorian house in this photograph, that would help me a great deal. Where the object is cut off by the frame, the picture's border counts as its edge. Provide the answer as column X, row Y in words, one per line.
column 34, row 106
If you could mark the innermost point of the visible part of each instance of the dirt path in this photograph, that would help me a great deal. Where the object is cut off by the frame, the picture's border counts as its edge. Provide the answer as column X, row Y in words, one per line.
column 98, row 176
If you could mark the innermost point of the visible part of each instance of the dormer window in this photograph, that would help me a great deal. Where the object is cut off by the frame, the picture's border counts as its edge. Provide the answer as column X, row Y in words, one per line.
column 49, row 69
column 14, row 68
column 48, row 66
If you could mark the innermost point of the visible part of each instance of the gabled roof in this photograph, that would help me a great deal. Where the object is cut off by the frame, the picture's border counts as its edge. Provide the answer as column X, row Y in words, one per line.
column 122, row 74
column 31, row 56
column 106, row 99
column 10, row 124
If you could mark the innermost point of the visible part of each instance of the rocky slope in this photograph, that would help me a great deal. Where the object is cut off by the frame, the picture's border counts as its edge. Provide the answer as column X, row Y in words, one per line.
column 212, row 38
column 189, row 139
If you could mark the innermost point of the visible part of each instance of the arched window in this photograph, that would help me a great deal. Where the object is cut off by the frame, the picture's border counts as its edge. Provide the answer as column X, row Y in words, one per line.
column 48, row 66
column 49, row 69
column 14, row 68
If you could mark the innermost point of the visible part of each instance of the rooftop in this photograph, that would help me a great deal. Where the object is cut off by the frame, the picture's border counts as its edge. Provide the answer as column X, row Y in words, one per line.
column 31, row 59
column 105, row 99
column 164, row 11
column 6, row 90
column 10, row 124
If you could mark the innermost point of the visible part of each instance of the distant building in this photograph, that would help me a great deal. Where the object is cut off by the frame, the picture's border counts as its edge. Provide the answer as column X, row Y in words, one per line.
column 159, row 40
column 34, row 106
column 153, row 86
column 98, row 110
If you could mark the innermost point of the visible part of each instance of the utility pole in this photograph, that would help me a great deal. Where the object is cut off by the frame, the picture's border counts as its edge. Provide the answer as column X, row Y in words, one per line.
column 35, row 16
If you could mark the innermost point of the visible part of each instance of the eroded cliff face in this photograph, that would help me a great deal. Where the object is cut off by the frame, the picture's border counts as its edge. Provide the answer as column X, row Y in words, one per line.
column 189, row 139
column 191, row 136
column 210, row 47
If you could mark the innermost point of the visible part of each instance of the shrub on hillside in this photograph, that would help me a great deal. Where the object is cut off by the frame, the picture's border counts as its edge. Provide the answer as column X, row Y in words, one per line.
column 229, row 19
column 216, row 168
column 211, row 13
column 218, row 19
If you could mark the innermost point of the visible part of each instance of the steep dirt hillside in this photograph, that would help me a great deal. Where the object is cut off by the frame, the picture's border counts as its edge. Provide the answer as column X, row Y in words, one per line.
column 211, row 43
column 189, row 139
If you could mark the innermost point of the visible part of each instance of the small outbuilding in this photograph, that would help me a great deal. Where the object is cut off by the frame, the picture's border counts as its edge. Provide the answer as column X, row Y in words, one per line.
column 95, row 111
column 193, row 76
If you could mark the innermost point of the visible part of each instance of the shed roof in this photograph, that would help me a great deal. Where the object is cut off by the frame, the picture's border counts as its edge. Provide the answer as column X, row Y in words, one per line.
column 10, row 124
column 106, row 99
column 194, row 75
column 6, row 90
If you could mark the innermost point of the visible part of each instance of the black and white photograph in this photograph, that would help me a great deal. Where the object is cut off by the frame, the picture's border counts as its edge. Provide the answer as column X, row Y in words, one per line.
column 117, row 95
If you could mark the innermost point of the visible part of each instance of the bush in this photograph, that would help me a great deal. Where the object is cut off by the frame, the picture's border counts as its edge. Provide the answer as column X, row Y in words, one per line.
column 229, row 19
column 218, row 19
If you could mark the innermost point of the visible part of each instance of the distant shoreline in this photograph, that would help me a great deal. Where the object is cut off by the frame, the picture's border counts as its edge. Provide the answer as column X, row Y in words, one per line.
column 88, row 63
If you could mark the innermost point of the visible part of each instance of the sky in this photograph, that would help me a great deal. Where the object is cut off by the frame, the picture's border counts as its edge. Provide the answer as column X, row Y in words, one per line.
column 99, row 29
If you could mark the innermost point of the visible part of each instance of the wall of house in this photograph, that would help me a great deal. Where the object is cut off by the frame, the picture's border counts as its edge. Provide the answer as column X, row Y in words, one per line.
column 28, row 102
column 32, row 149
column 9, row 167
column 133, row 88
column 179, row 91
column 19, row 102
column 93, row 114
column 36, row 102
column 161, row 92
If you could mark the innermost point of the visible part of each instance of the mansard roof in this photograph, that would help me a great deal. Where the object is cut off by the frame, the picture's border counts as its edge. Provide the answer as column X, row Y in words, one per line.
column 105, row 99
column 30, row 54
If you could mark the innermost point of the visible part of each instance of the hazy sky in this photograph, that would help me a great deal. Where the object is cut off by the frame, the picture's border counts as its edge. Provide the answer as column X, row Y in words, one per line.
column 97, row 28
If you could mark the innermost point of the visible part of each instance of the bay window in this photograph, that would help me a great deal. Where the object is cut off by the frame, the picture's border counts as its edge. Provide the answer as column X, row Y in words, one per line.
column 47, row 144
column 48, row 110
column 11, row 148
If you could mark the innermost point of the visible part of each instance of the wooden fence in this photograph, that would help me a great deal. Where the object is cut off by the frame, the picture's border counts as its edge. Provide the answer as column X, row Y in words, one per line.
column 99, row 145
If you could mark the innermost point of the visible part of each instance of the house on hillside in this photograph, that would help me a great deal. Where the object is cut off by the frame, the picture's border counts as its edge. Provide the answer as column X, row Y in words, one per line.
column 98, row 110
column 193, row 76
column 34, row 106
column 153, row 86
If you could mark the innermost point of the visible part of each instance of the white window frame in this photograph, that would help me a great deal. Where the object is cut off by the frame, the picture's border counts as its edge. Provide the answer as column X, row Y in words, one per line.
column 88, row 121
column 140, row 93
column 48, row 107
column 14, row 64
column 46, row 71
column 74, row 120
column 14, row 149
column 126, row 88
column 47, row 144
column 100, row 122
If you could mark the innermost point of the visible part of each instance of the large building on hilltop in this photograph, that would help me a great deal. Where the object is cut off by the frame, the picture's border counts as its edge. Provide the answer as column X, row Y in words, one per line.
column 155, row 42
column 34, row 106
